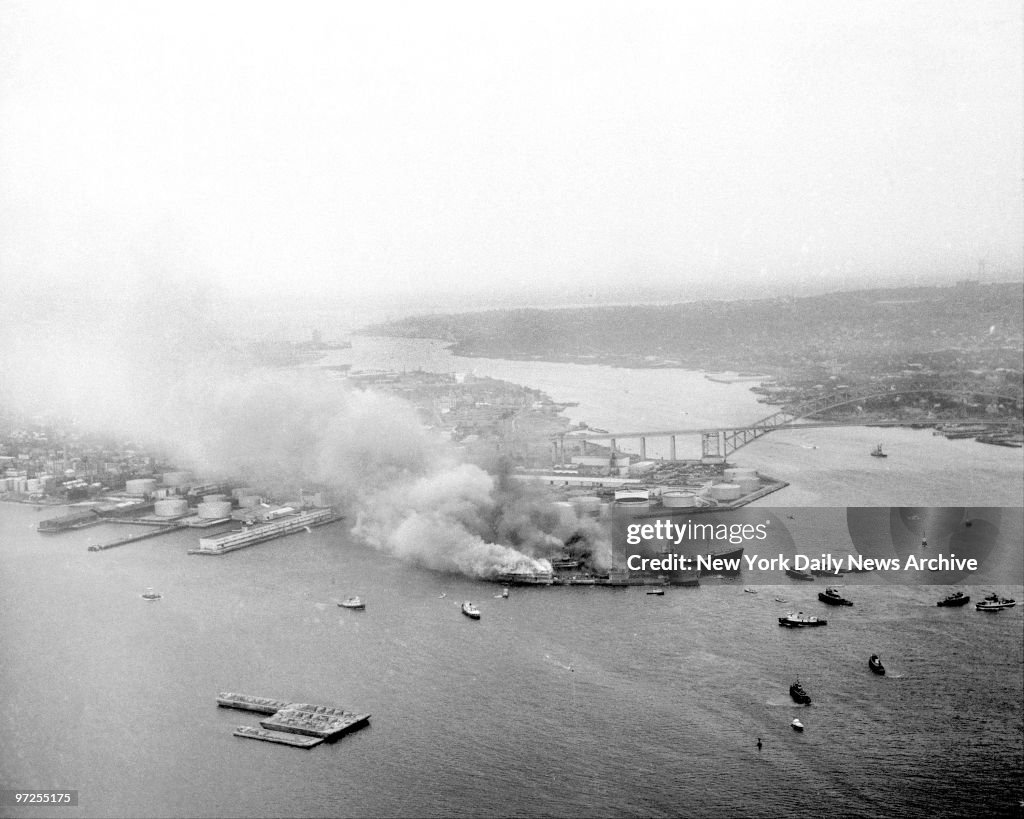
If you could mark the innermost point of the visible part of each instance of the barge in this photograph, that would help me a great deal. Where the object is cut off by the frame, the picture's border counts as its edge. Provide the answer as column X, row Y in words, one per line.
column 299, row 724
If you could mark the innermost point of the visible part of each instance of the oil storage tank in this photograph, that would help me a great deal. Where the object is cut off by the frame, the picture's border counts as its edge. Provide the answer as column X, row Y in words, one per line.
column 214, row 510
column 140, row 486
column 170, row 508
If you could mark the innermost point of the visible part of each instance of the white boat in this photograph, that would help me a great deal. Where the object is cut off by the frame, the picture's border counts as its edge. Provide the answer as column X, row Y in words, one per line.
column 352, row 603
column 471, row 611
column 504, row 592
column 797, row 725
column 995, row 603
column 149, row 594
column 658, row 592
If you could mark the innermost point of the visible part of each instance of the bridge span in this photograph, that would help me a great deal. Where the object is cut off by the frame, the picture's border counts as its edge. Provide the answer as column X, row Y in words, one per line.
column 719, row 442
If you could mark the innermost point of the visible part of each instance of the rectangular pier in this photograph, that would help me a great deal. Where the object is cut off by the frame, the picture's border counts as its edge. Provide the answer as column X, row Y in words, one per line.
column 251, row 535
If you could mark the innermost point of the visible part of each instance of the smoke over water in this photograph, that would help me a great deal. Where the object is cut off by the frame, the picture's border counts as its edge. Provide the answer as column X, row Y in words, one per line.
column 163, row 378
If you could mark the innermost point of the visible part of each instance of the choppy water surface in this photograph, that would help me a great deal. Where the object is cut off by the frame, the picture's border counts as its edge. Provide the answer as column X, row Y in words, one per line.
column 569, row 701
column 565, row 701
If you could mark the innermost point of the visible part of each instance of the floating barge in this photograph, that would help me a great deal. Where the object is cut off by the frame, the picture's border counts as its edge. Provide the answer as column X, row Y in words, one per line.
column 258, row 533
column 280, row 737
column 301, row 725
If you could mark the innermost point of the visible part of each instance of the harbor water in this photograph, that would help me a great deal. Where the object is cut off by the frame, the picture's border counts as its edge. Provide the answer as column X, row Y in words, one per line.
column 565, row 701
column 569, row 701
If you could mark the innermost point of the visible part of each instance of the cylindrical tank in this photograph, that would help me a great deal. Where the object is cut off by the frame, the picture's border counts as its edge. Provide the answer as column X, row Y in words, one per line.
column 213, row 510
column 748, row 484
column 249, row 501
column 215, row 496
column 171, row 507
column 726, row 491
column 176, row 478
column 586, row 504
column 632, row 494
column 140, row 486
column 677, row 499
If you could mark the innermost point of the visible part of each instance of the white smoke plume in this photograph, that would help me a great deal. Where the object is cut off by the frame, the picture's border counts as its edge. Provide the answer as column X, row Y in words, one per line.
column 162, row 374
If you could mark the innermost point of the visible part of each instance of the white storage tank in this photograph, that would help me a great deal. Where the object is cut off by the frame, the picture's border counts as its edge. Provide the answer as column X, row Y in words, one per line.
column 726, row 491
column 677, row 499
column 214, row 510
column 171, row 507
column 140, row 486
column 749, row 484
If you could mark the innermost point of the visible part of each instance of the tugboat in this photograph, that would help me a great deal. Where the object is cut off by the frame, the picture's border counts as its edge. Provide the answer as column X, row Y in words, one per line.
column 796, row 574
column 957, row 598
column 149, row 594
column 797, row 726
column 832, row 596
column 995, row 603
column 801, row 697
column 799, row 620
column 353, row 603
column 659, row 592
column 877, row 452
column 876, row 665
column 471, row 611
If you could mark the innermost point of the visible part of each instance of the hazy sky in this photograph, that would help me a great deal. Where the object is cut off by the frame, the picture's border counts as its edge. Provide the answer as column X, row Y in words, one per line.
column 343, row 148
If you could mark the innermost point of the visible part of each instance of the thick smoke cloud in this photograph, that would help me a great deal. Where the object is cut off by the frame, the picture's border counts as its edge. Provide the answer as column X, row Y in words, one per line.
column 155, row 368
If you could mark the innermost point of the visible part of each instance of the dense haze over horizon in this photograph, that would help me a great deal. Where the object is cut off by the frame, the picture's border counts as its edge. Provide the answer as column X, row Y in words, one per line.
column 558, row 152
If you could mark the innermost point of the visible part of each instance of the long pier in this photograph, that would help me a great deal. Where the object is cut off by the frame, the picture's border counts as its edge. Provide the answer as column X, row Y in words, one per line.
column 132, row 538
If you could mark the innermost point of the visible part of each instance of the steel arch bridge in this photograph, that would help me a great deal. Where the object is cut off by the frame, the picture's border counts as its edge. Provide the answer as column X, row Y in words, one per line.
column 717, row 444
column 721, row 443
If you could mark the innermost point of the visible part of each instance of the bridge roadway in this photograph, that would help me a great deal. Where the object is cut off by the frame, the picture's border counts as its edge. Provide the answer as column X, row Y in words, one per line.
column 719, row 442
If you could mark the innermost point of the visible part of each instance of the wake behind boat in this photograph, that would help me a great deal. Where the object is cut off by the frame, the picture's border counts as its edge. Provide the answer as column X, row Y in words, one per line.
column 471, row 611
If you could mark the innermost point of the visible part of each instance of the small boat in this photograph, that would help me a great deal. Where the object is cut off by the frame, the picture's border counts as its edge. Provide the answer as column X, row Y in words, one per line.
column 657, row 592
column 832, row 596
column 471, row 611
column 750, row 591
column 504, row 592
column 797, row 726
column 876, row 665
column 781, row 600
column 800, row 620
column 796, row 574
column 796, row 691
column 957, row 598
column 995, row 603
column 149, row 594
column 877, row 452
column 353, row 603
